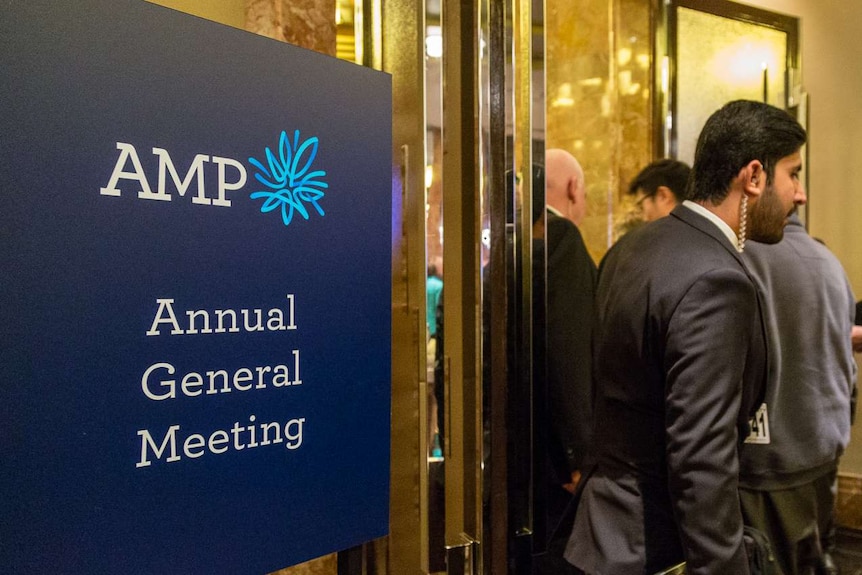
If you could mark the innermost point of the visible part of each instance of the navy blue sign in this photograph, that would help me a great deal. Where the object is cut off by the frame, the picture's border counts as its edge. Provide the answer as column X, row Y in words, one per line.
column 195, row 305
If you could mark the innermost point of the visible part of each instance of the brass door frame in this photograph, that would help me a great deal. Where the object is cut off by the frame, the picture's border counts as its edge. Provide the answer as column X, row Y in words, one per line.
column 495, row 552
column 481, row 47
column 402, row 25
column 461, row 234
column 483, row 43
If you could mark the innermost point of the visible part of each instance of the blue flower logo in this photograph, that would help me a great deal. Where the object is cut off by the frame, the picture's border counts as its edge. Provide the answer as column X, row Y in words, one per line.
column 291, row 186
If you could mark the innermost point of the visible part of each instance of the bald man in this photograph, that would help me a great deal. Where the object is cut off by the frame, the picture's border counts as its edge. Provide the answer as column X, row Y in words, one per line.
column 565, row 190
column 571, row 280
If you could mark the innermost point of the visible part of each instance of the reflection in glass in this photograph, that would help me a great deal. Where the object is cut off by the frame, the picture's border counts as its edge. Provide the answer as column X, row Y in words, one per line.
column 436, row 447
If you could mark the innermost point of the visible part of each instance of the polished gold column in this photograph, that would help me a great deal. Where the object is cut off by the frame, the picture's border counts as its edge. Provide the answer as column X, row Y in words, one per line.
column 401, row 53
column 461, row 241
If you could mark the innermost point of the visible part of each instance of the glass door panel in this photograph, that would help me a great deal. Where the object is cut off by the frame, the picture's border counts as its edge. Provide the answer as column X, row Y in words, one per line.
column 719, row 60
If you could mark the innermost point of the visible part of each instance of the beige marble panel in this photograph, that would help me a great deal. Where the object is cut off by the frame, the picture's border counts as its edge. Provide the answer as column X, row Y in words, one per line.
column 327, row 565
column 306, row 23
column 848, row 505
column 264, row 17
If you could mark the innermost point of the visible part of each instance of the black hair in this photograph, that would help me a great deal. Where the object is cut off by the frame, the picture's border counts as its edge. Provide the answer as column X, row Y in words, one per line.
column 738, row 133
column 670, row 173
column 538, row 192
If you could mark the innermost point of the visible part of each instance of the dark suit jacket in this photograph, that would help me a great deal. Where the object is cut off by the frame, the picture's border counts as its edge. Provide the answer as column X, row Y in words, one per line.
column 571, row 285
column 679, row 366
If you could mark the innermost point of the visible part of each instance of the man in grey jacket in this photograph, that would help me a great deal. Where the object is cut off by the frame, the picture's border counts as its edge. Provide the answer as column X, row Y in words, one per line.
column 789, row 461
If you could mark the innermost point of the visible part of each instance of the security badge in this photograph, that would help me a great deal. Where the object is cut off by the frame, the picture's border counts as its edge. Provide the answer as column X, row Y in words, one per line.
column 759, row 425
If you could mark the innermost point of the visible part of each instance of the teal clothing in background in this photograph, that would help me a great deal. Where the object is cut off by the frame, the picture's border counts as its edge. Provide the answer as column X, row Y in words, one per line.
column 432, row 298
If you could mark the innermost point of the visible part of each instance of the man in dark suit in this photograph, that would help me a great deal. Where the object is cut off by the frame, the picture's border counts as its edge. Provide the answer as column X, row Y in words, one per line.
column 571, row 284
column 570, row 290
column 563, row 289
column 680, row 360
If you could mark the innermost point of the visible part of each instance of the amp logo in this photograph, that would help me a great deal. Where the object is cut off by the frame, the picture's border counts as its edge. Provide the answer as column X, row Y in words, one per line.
column 285, row 179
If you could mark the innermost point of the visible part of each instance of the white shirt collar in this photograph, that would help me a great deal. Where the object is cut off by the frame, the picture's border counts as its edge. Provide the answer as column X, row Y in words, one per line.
column 722, row 225
column 554, row 211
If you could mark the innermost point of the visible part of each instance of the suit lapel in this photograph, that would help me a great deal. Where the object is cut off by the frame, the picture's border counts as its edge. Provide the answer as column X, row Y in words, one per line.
column 701, row 223
column 705, row 226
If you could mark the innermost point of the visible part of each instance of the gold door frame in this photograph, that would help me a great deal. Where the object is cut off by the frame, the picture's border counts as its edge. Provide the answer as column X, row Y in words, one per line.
column 401, row 54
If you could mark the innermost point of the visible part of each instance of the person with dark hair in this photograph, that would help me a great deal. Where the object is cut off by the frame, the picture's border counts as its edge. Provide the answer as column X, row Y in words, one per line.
column 433, row 295
column 680, row 359
column 659, row 187
column 433, row 286
column 789, row 463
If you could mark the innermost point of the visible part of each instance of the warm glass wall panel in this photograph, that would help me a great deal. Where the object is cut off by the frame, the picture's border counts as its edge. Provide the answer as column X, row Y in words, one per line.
column 723, row 60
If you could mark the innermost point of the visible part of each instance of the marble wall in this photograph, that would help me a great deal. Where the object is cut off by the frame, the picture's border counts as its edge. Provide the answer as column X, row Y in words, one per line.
column 848, row 506
column 326, row 565
column 306, row 23
column 599, row 101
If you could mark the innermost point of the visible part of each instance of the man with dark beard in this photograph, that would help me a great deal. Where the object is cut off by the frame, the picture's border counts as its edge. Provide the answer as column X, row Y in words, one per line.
column 680, row 359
